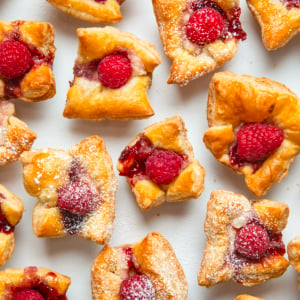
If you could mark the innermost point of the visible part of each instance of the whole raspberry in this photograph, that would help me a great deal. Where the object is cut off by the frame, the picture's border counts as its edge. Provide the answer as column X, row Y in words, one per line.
column 15, row 59
column 114, row 70
column 256, row 141
column 76, row 197
column 163, row 166
column 205, row 26
column 28, row 294
column 137, row 287
column 252, row 242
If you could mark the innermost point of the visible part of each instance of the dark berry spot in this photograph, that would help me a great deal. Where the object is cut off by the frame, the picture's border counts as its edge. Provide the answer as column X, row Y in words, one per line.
column 28, row 294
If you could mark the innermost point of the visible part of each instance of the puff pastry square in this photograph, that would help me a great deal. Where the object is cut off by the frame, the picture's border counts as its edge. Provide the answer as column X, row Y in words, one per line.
column 236, row 100
column 190, row 60
column 101, row 11
column 159, row 139
column 247, row 297
column 279, row 21
column 61, row 180
column 293, row 250
column 48, row 283
column 38, row 82
column 152, row 257
column 227, row 215
column 15, row 136
column 11, row 210
column 88, row 99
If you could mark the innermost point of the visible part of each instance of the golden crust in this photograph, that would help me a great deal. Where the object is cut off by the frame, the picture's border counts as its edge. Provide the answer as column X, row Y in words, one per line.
column 237, row 99
column 169, row 134
column 47, row 170
column 154, row 257
column 293, row 250
column 38, row 83
column 24, row 278
column 91, row 11
column 89, row 99
column 247, row 297
column 226, row 213
column 278, row 23
column 189, row 61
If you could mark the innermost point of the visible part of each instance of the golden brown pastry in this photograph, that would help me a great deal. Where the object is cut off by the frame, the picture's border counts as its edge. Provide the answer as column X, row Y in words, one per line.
column 159, row 165
column 112, row 74
column 183, row 27
column 33, row 283
column 148, row 269
column 26, row 57
column 96, row 11
column 11, row 210
column 76, row 190
column 244, row 240
column 247, row 297
column 279, row 21
column 15, row 136
column 240, row 107
column 293, row 250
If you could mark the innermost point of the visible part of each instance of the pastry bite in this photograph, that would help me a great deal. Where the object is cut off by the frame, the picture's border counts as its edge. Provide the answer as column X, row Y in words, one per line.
column 279, row 20
column 112, row 74
column 293, row 250
column 254, row 127
column 198, row 35
column 15, row 136
column 33, row 283
column 96, row 11
column 75, row 190
column 148, row 269
column 244, row 240
column 247, row 297
column 11, row 210
column 159, row 165
column 26, row 58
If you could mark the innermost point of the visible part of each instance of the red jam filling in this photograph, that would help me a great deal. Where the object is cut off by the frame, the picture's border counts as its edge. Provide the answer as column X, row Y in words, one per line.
column 291, row 3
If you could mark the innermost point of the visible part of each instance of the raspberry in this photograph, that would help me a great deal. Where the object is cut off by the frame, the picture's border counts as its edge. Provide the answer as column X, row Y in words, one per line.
column 137, row 287
column 28, row 294
column 256, row 141
column 15, row 59
column 163, row 166
column 205, row 26
column 252, row 241
column 114, row 70
column 76, row 198
column 291, row 3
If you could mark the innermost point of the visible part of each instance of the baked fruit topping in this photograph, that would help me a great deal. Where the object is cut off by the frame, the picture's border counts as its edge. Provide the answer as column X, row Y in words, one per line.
column 28, row 294
column 291, row 3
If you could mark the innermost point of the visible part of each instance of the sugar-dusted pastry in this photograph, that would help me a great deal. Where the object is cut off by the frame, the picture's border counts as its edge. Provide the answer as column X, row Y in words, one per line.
column 279, row 20
column 11, row 210
column 76, row 190
column 293, row 250
column 148, row 270
column 244, row 240
column 254, row 127
column 33, row 283
column 112, row 74
column 26, row 57
column 247, row 297
column 159, row 165
column 15, row 136
column 198, row 35
column 96, row 11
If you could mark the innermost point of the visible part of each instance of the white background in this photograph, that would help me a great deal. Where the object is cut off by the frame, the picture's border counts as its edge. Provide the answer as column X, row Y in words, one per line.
column 182, row 223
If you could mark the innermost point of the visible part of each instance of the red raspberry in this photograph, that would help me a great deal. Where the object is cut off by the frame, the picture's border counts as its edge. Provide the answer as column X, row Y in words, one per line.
column 15, row 59
column 28, row 294
column 163, row 166
column 205, row 26
column 76, row 198
column 257, row 141
column 137, row 287
column 291, row 3
column 114, row 70
column 252, row 241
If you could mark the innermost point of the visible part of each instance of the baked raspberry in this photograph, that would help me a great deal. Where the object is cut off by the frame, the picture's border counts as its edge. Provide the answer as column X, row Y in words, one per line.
column 205, row 26
column 100, row 1
column 114, row 70
column 76, row 198
column 137, row 287
column 291, row 3
column 15, row 59
column 257, row 141
column 163, row 166
column 28, row 294
column 252, row 242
